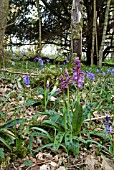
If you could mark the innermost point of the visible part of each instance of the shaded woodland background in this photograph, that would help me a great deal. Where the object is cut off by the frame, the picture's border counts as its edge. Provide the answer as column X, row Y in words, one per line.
column 56, row 25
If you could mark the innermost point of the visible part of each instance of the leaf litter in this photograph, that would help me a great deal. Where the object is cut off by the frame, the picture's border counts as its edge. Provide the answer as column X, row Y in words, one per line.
column 47, row 160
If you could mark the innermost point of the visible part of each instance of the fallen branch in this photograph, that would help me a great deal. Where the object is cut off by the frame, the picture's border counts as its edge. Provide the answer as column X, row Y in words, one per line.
column 29, row 74
column 98, row 118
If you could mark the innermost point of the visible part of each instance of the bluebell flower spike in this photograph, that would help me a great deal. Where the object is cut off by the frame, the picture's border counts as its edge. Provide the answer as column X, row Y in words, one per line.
column 26, row 79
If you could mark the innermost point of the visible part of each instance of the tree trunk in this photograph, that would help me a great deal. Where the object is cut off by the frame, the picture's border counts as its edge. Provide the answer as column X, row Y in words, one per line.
column 112, row 54
column 4, row 6
column 100, row 57
column 93, row 33
column 40, row 39
column 76, row 29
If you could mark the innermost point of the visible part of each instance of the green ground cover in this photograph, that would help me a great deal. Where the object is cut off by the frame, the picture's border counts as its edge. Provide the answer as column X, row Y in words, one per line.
column 56, row 108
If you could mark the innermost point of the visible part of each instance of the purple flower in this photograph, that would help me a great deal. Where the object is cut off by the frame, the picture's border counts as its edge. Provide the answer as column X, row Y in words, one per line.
column 78, row 74
column 107, row 119
column 91, row 76
column 22, row 52
column 36, row 59
column 47, row 84
column 26, row 79
column 103, row 74
column 41, row 62
column 77, row 61
column 77, row 77
column 97, row 70
column 5, row 68
column 15, row 88
column 108, row 126
column 13, row 54
column 13, row 63
column 47, row 60
column 112, row 70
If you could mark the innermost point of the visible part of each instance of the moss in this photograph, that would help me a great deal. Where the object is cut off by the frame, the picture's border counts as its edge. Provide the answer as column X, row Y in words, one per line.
column 76, row 32
column 74, row 55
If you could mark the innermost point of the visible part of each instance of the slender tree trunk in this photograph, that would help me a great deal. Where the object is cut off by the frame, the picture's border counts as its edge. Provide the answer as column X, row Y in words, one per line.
column 76, row 29
column 96, row 40
column 40, row 35
column 100, row 57
column 4, row 6
column 93, row 33
column 112, row 55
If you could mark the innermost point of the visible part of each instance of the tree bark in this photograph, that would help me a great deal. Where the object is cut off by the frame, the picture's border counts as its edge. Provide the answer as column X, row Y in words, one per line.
column 93, row 33
column 40, row 35
column 100, row 57
column 76, row 29
column 4, row 6
column 112, row 55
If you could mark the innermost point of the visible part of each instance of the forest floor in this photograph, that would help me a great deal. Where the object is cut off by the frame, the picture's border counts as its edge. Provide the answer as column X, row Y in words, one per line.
column 91, row 157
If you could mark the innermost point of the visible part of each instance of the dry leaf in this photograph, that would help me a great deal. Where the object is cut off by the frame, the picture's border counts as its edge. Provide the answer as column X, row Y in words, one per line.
column 53, row 164
column 61, row 168
column 107, row 164
column 83, row 95
column 45, row 167
column 90, row 162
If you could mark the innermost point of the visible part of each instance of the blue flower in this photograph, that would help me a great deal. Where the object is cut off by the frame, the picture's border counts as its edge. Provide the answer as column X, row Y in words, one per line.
column 26, row 79
column 112, row 70
column 22, row 52
column 36, row 59
column 41, row 62
column 47, row 60
column 108, row 126
column 13, row 63
column 91, row 76
column 13, row 54
column 108, row 71
column 103, row 74
column 97, row 70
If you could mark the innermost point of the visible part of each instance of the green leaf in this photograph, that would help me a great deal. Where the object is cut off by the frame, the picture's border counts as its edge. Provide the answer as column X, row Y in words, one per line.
column 2, row 153
column 5, row 143
column 68, row 140
column 12, row 123
column 75, row 148
column 43, row 133
column 77, row 118
column 30, row 102
column 28, row 163
column 71, row 144
column 51, row 124
column 2, row 116
column 58, row 140
column 40, row 91
column 44, row 146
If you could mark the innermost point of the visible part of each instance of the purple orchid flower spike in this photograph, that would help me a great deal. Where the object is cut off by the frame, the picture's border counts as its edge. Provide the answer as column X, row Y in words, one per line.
column 26, row 79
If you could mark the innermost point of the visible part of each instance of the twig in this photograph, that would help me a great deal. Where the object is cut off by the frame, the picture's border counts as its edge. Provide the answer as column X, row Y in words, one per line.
column 98, row 118
column 30, row 74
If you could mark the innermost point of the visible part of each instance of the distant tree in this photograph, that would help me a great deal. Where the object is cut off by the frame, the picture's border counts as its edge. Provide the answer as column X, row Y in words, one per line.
column 100, row 57
column 93, row 33
column 56, row 24
column 4, row 5
column 76, row 29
